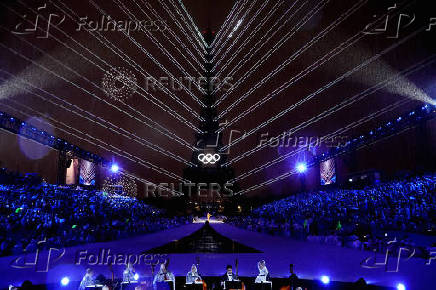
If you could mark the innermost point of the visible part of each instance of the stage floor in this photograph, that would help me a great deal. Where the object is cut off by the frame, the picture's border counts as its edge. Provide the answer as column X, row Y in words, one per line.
column 311, row 260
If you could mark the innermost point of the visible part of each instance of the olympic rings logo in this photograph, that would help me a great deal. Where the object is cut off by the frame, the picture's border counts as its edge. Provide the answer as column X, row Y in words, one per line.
column 209, row 158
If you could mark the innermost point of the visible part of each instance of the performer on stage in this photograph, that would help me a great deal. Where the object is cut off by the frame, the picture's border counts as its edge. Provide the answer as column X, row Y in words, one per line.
column 163, row 275
column 263, row 273
column 229, row 276
column 293, row 279
column 88, row 279
column 192, row 275
column 129, row 273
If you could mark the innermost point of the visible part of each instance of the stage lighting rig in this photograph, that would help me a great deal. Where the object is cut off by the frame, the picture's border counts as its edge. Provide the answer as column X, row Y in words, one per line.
column 115, row 168
column 301, row 167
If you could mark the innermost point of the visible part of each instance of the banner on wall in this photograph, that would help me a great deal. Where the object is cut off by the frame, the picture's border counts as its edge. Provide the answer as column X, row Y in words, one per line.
column 72, row 172
column 87, row 172
column 328, row 172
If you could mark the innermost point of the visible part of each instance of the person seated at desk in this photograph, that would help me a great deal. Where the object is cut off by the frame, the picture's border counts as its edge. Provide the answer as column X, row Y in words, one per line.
column 129, row 273
column 229, row 276
column 293, row 279
column 163, row 275
column 88, row 279
column 263, row 273
column 193, row 275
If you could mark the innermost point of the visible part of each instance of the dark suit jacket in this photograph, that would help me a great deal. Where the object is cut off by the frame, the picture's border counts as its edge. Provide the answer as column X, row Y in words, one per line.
column 293, row 281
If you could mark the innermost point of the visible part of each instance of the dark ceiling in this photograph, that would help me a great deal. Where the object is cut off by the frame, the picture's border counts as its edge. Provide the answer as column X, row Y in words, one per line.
column 209, row 13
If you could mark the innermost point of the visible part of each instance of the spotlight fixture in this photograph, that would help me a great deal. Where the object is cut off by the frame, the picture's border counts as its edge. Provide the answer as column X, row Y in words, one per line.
column 136, row 277
column 115, row 168
column 400, row 286
column 301, row 167
column 65, row 281
column 325, row 279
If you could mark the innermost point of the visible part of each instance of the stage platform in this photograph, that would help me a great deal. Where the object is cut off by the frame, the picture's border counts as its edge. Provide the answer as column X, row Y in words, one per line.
column 214, row 282
column 311, row 261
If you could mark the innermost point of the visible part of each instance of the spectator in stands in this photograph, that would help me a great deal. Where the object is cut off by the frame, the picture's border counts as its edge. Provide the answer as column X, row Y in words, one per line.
column 63, row 216
column 352, row 218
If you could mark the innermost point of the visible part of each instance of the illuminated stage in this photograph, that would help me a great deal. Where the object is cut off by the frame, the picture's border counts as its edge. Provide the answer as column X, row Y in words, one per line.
column 212, row 220
column 311, row 260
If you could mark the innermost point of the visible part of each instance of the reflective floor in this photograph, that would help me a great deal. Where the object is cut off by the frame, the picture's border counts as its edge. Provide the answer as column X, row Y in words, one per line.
column 205, row 240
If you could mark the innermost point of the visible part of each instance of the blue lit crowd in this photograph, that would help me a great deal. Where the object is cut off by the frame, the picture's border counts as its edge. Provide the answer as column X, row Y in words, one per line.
column 365, row 218
column 65, row 216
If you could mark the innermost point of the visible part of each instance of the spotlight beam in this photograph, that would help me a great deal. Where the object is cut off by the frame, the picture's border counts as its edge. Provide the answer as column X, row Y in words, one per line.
column 293, row 172
column 88, row 139
column 262, row 60
column 225, row 23
column 117, row 108
column 174, row 35
column 229, row 27
column 145, row 142
column 311, row 95
column 149, row 55
column 271, row 32
column 336, row 133
column 161, row 105
column 196, row 34
column 234, row 29
column 177, row 39
column 252, row 34
column 162, row 48
column 94, row 119
column 299, row 52
column 347, row 102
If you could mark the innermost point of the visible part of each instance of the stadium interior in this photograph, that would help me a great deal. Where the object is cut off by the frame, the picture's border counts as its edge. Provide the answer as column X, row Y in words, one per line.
column 217, row 144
